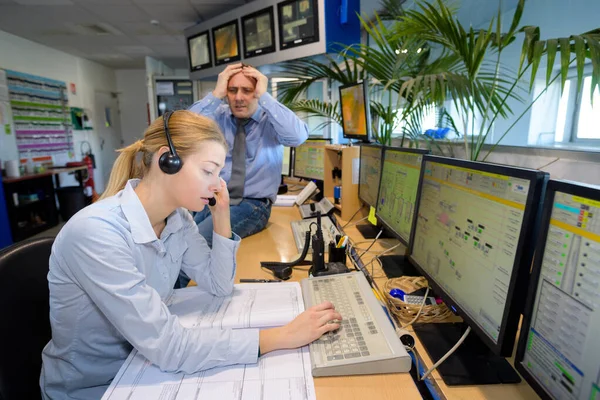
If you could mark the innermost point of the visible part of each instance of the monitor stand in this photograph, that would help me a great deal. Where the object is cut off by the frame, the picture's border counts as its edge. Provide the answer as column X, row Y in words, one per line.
column 370, row 231
column 283, row 188
column 472, row 363
column 397, row 265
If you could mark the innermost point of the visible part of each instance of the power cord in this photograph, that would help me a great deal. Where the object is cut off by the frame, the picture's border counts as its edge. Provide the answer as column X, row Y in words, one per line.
column 420, row 309
column 371, row 245
column 353, row 215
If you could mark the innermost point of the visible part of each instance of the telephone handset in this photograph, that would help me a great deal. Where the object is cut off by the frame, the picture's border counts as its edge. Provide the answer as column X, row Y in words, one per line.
column 306, row 193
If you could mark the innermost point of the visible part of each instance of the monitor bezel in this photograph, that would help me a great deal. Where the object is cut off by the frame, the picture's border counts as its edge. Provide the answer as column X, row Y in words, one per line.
column 382, row 221
column 380, row 147
column 554, row 186
column 367, row 109
column 209, row 42
column 264, row 50
column 214, row 43
column 291, row 158
column 283, row 45
column 523, row 257
column 313, row 139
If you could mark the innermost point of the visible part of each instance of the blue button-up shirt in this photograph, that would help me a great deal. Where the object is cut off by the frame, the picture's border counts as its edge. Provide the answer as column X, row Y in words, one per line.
column 271, row 126
column 109, row 277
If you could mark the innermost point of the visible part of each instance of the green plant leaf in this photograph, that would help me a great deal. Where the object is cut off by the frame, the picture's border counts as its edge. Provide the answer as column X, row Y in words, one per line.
column 580, row 50
column 551, row 48
column 565, row 60
column 538, row 50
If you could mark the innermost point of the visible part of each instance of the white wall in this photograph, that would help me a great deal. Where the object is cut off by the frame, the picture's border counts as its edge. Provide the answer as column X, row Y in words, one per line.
column 25, row 56
column 556, row 18
column 133, row 103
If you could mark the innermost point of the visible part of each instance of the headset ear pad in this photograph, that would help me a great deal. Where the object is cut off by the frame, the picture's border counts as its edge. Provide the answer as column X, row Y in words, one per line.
column 169, row 163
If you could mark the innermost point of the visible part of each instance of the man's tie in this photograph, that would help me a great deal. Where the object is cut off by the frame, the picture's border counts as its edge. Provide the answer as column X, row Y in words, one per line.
column 238, row 164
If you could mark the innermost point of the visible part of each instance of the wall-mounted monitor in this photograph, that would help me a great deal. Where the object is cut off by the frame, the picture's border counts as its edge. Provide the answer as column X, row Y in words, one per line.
column 298, row 23
column 225, row 43
column 258, row 31
column 199, row 51
column 356, row 118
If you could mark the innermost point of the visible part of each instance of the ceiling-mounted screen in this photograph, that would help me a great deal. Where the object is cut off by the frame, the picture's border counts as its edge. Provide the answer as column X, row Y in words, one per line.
column 225, row 43
column 298, row 23
column 199, row 51
column 258, row 30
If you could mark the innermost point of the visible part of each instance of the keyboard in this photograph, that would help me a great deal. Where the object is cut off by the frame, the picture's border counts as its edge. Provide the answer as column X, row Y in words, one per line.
column 366, row 342
column 300, row 227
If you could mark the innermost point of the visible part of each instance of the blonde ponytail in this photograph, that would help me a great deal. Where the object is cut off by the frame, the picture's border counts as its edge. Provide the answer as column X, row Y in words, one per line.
column 126, row 167
column 188, row 132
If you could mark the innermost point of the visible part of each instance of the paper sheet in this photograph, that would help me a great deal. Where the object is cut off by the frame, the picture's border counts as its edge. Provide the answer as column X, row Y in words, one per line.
column 283, row 374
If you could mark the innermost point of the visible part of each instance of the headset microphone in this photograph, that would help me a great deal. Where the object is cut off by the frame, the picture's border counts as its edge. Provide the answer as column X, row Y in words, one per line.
column 212, row 202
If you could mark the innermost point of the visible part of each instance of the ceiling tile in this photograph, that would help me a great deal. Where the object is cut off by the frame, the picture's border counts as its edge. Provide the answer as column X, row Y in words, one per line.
column 159, row 40
column 177, row 50
column 118, row 13
column 134, row 50
column 44, row 2
column 165, row 13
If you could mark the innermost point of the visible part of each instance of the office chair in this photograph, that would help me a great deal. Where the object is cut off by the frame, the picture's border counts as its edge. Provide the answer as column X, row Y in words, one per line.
column 24, row 312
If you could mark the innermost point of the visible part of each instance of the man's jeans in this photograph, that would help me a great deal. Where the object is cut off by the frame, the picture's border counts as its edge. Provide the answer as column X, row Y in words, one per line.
column 247, row 218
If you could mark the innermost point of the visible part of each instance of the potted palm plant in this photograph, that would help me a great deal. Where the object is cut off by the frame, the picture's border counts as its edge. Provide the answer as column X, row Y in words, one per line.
column 424, row 57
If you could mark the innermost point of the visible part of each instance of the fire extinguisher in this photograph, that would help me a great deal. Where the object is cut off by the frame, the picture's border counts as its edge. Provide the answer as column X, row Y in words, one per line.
column 90, row 162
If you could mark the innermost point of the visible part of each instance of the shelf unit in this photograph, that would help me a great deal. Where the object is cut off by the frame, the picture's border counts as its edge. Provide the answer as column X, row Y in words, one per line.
column 347, row 160
column 28, row 219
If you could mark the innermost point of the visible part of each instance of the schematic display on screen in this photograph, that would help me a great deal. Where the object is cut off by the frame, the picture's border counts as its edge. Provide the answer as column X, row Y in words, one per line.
column 285, row 162
column 309, row 161
column 466, row 236
column 563, row 350
column 398, row 192
column 370, row 171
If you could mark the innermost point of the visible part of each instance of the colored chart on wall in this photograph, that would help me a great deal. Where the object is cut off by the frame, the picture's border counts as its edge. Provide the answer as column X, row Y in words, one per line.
column 41, row 114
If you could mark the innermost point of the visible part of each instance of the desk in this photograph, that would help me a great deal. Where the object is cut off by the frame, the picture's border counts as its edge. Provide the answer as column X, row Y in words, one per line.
column 276, row 243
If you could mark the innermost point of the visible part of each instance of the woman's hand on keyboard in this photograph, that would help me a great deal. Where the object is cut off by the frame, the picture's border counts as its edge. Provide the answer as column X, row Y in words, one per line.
column 304, row 329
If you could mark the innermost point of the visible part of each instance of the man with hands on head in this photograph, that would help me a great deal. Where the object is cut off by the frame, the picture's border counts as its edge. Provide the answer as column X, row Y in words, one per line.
column 253, row 164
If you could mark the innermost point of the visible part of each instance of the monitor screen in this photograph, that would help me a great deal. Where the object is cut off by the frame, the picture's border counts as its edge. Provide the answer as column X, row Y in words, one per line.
column 298, row 23
column 370, row 171
column 356, row 121
column 398, row 190
column 558, row 348
column 309, row 159
column 226, row 44
column 472, row 240
column 199, row 51
column 286, row 163
column 259, row 33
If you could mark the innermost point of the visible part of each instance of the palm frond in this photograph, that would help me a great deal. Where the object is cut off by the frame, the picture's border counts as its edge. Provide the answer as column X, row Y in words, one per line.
column 319, row 108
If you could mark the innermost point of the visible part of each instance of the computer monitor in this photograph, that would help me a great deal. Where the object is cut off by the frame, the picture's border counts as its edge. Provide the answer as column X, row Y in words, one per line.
column 369, row 173
column 473, row 240
column 286, row 164
column 225, row 43
column 356, row 118
column 558, row 349
column 258, row 31
column 298, row 23
column 199, row 51
column 309, row 159
column 398, row 187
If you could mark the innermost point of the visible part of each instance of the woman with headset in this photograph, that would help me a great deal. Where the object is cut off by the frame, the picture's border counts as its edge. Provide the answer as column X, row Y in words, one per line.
column 115, row 262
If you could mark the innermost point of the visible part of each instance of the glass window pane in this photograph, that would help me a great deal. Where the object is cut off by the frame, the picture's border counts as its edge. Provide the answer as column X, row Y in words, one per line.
column 587, row 126
column 561, row 117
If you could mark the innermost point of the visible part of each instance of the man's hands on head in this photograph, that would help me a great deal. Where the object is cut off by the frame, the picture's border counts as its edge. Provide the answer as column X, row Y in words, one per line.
column 251, row 72
column 261, row 80
column 221, row 88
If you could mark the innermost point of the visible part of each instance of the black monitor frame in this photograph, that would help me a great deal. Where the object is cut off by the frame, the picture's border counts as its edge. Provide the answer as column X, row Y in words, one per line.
column 367, row 110
column 360, row 196
column 208, row 43
column 283, row 45
column 263, row 50
column 383, row 222
column 310, row 139
column 554, row 186
column 237, row 40
column 290, row 161
column 515, row 298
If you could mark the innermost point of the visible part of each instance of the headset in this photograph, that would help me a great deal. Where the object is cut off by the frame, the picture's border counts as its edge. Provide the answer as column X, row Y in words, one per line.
column 170, row 163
